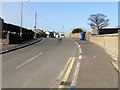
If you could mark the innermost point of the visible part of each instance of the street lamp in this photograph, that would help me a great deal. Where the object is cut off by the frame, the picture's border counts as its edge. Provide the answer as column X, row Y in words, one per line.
column 21, row 21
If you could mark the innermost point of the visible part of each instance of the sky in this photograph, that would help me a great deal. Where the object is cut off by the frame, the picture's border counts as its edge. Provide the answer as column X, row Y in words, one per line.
column 52, row 16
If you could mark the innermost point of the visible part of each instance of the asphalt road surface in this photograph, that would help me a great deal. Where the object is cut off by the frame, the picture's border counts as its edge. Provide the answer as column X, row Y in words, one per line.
column 38, row 65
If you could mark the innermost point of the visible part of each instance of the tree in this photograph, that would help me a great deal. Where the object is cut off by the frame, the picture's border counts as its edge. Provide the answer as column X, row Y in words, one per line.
column 98, row 21
column 77, row 30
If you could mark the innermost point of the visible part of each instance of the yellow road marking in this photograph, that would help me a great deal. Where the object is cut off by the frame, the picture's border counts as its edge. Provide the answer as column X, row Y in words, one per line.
column 67, row 72
column 64, row 69
column 61, row 73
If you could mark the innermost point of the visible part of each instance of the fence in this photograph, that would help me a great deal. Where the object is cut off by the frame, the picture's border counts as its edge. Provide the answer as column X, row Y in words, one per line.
column 12, row 33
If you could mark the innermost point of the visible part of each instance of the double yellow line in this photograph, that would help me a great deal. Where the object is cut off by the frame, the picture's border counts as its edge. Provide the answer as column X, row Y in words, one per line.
column 62, row 72
column 71, row 61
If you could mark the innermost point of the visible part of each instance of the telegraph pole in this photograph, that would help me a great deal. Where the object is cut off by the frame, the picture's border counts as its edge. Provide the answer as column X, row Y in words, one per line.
column 35, row 23
column 21, row 21
column 63, row 28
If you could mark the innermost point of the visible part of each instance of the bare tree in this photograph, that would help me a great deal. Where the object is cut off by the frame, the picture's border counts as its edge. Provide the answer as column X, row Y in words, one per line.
column 98, row 21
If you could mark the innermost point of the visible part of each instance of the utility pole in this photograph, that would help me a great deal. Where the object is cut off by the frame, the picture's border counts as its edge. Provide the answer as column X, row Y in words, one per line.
column 21, row 21
column 63, row 28
column 35, row 23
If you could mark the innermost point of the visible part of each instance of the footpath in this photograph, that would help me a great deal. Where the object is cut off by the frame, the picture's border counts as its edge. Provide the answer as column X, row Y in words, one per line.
column 12, row 47
column 96, row 70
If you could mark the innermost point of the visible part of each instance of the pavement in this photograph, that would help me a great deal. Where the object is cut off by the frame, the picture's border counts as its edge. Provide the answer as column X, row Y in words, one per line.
column 12, row 47
column 96, row 70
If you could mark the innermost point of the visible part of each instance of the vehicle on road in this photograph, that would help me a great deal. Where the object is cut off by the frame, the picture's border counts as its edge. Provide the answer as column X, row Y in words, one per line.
column 61, row 36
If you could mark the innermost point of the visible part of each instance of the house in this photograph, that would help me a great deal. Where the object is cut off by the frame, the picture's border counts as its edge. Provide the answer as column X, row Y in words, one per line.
column 108, row 30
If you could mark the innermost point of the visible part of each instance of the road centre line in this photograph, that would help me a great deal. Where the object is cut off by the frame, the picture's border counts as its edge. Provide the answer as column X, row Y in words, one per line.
column 28, row 60
column 67, row 72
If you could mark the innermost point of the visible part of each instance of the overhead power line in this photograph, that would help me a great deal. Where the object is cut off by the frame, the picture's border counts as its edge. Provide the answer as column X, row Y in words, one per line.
column 49, row 20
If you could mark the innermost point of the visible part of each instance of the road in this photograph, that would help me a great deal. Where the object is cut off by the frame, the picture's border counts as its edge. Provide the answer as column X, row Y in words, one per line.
column 38, row 65
column 48, row 63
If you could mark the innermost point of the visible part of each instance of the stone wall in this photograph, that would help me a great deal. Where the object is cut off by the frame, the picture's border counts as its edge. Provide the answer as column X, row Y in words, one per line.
column 108, row 42
column 119, row 49
column 75, row 35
